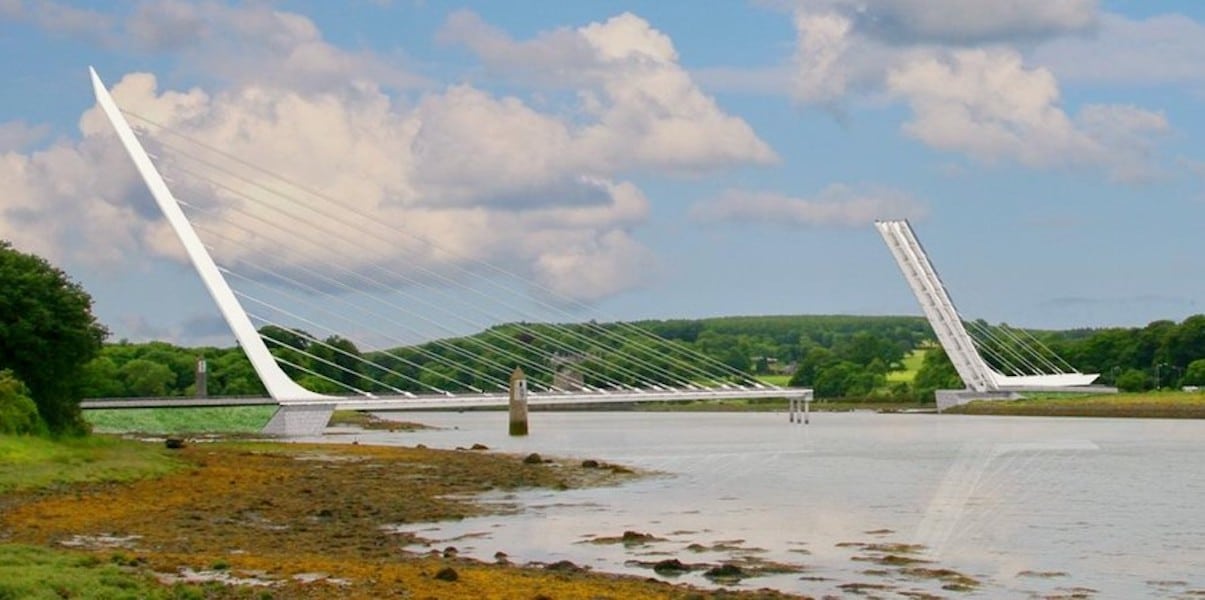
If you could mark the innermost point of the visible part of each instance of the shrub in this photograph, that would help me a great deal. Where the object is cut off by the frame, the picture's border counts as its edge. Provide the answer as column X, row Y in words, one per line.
column 18, row 413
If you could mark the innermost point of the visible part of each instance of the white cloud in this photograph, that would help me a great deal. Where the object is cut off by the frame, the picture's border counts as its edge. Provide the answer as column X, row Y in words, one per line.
column 956, row 22
column 823, row 40
column 258, row 44
column 491, row 177
column 71, row 201
column 469, row 170
column 837, row 205
column 15, row 135
column 1164, row 49
column 987, row 104
column 61, row 19
column 980, row 100
column 640, row 108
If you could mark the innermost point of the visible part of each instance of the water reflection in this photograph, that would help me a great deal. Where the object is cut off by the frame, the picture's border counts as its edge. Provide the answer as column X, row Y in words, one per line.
column 1024, row 506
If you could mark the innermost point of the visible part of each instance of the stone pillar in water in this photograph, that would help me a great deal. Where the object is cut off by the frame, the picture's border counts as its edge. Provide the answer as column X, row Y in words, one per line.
column 518, row 402
column 202, row 386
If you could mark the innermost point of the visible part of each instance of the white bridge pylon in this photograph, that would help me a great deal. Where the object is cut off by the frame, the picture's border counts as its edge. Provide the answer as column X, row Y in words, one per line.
column 312, row 406
column 947, row 324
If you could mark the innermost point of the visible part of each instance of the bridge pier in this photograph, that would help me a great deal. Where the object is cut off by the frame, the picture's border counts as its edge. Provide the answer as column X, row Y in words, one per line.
column 798, row 408
column 300, row 419
column 518, row 403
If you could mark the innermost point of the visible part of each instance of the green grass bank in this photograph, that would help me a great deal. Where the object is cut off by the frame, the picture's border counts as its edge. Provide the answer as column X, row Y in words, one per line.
column 1151, row 405
column 227, row 419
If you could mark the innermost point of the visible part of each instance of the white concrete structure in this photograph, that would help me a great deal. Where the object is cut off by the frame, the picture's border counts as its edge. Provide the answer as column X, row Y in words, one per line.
column 948, row 326
column 303, row 412
column 279, row 385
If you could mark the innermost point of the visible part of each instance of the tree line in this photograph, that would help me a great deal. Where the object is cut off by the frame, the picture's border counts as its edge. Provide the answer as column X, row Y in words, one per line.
column 52, row 354
column 838, row 356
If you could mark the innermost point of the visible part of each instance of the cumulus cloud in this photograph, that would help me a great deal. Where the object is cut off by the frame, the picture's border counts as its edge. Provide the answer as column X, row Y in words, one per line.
column 837, row 205
column 485, row 186
column 987, row 104
column 540, row 190
column 258, row 44
column 61, row 19
column 969, row 93
column 950, row 21
column 16, row 135
column 640, row 108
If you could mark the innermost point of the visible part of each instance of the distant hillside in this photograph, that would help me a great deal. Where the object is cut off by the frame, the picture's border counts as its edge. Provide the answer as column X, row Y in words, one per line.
column 838, row 355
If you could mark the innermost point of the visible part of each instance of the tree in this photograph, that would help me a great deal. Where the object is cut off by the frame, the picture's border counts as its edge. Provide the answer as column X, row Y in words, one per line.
column 936, row 373
column 18, row 414
column 101, row 380
column 47, row 334
column 143, row 377
column 1134, row 380
column 1195, row 374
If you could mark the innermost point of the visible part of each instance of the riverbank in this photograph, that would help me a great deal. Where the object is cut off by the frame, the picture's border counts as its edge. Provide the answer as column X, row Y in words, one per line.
column 1152, row 405
column 243, row 519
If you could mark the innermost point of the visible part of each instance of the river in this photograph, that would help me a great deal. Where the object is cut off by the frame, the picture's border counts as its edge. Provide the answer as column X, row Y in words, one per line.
column 1026, row 506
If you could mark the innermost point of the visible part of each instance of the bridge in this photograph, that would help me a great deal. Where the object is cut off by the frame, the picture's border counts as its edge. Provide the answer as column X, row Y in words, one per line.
column 979, row 359
column 579, row 364
column 603, row 366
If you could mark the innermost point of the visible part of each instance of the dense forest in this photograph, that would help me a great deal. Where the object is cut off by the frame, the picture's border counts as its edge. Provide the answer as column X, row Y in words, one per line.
column 839, row 356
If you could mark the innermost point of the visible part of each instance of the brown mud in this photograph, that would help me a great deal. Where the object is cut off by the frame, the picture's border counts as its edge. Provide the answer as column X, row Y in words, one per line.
column 317, row 521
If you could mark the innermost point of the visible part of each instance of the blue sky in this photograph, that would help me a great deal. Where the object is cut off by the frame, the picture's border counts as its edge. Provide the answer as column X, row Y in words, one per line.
column 651, row 159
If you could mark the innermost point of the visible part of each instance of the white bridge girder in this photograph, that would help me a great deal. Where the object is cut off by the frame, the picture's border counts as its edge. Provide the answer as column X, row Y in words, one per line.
column 939, row 309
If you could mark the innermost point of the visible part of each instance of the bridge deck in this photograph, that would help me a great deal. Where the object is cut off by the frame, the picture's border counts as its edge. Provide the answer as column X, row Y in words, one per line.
column 453, row 402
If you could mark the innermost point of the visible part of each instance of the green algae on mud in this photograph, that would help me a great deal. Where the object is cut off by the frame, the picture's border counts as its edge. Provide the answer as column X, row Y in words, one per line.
column 277, row 514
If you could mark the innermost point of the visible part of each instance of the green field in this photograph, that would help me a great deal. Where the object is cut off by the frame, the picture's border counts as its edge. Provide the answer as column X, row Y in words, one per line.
column 34, row 462
column 1158, row 405
column 229, row 419
column 912, row 363
column 778, row 380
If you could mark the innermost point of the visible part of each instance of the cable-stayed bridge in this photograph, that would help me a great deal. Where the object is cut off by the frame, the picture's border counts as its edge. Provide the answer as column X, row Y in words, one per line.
column 307, row 267
column 993, row 362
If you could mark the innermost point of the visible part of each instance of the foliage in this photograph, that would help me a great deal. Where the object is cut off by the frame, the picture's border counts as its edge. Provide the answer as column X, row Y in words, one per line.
column 1133, row 380
column 35, row 573
column 34, row 462
column 770, row 345
column 1195, row 373
column 47, row 334
column 18, row 413
column 864, row 358
column 936, row 373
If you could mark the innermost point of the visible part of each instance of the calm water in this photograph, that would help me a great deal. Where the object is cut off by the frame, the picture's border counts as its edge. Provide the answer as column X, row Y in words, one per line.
column 1029, row 506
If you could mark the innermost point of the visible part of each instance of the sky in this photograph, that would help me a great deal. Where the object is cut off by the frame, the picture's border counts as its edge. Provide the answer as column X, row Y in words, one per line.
column 642, row 159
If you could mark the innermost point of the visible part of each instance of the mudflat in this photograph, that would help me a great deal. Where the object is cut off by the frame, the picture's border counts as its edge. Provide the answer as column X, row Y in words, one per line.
column 247, row 519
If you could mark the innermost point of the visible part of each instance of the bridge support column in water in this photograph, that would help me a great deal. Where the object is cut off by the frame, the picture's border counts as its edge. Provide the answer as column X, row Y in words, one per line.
column 518, row 402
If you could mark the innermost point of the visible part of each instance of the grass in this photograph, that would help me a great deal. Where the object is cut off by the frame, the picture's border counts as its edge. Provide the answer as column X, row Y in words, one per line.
column 779, row 380
column 1164, row 405
column 37, row 573
column 32, row 462
column 912, row 363
column 229, row 419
